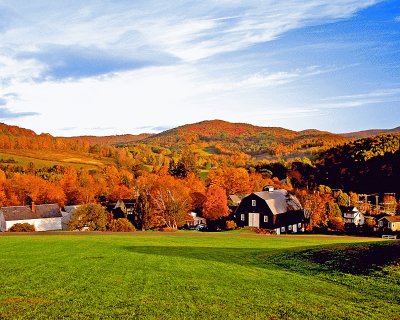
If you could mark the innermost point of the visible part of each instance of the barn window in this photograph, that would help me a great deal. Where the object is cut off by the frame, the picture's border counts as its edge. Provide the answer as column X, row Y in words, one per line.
column 265, row 218
column 242, row 217
column 283, row 229
column 253, row 203
column 290, row 228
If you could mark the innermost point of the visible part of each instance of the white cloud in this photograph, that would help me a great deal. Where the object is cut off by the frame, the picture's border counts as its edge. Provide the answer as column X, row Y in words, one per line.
column 187, row 90
column 190, row 31
column 362, row 99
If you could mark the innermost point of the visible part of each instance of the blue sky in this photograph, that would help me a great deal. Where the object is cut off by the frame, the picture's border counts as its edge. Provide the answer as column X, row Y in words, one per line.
column 113, row 67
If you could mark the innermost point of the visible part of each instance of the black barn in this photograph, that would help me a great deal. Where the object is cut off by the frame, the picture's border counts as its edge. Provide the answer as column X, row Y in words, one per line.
column 273, row 209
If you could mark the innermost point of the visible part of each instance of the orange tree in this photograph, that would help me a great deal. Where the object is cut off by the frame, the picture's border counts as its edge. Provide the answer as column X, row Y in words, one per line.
column 216, row 204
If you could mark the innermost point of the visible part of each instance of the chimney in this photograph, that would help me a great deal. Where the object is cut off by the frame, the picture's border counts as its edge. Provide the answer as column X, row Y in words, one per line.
column 268, row 188
column 33, row 208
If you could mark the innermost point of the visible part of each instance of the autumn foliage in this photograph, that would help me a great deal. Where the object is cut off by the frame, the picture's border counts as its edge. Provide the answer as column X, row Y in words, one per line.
column 195, row 167
column 22, row 227
column 216, row 205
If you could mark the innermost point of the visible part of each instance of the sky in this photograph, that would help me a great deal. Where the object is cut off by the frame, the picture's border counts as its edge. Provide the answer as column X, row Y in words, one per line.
column 117, row 66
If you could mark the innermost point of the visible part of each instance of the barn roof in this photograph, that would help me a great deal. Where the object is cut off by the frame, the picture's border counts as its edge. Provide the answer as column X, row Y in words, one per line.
column 236, row 198
column 41, row 211
column 280, row 201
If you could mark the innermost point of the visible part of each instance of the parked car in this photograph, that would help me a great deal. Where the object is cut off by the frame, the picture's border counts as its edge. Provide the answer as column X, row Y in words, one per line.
column 201, row 227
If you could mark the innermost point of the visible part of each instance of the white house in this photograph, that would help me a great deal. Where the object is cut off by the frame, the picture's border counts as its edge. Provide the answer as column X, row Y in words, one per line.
column 351, row 215
column 44, row 217
column 196, row 220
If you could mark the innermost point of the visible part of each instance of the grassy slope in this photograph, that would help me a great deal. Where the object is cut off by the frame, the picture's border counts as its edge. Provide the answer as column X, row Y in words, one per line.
column 154, row 275
column 47, row 158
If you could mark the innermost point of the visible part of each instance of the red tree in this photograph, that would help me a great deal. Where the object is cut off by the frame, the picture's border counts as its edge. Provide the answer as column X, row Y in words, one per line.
column 216, row 205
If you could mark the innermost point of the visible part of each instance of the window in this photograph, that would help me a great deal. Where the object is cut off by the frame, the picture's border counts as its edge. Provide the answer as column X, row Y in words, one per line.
column 381, row 223
column 299, row 225
column 289, row 228
column 253, row 203
column 283, row 229
column 242, row 217
column 265, row 218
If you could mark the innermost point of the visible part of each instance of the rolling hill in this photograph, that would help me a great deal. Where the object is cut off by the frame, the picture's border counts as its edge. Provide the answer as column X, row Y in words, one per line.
column 260, row 142
column 211, row 137
column 112, row 140
column 370, row 133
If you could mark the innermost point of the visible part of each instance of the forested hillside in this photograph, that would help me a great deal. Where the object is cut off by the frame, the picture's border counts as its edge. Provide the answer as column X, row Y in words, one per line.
column 370, row 133
column 365, row 165
column 112, row 140
column 221, row 137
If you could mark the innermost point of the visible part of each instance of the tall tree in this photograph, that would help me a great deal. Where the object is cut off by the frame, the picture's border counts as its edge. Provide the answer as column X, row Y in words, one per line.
column 143, row 211
column 216, row 204
column 171, row 201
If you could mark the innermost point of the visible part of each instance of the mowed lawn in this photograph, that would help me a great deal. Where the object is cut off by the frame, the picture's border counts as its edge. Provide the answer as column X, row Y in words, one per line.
column 193, row 275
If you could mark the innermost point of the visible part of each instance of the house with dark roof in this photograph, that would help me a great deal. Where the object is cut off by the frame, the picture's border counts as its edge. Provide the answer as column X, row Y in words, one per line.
column 389, row 223
column 271, row 209
column 67, row 215
column 44, row 217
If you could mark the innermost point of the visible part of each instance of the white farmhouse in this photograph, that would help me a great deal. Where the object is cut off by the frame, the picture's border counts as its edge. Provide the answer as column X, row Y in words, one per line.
column 44, row 217
column 352, row 216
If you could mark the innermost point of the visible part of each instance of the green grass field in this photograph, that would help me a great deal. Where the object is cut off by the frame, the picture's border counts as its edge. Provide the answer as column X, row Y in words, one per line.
column 50, row 158
column 197, row 275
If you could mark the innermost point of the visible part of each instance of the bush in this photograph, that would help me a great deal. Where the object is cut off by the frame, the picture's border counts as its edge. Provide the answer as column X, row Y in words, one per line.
column 263, row 231
column 22, row 227
column 92, row 217
column 230, row 225
column 168, row 229
column 120, row 225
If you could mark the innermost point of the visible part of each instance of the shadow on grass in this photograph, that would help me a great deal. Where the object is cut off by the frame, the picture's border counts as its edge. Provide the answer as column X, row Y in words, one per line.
column 355, row 259
column 240, row 256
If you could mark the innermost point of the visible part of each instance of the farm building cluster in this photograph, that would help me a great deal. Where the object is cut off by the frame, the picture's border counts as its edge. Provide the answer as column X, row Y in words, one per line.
column 272, row 209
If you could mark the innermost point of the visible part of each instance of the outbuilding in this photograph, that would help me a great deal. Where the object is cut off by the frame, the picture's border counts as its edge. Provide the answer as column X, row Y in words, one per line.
column 44, row 217
column 391, row 223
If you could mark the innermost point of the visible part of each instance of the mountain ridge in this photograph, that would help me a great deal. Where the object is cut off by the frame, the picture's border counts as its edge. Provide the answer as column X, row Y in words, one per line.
column 124, row 138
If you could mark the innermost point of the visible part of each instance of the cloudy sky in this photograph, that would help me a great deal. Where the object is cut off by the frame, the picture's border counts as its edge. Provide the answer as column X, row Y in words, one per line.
column 119, row 66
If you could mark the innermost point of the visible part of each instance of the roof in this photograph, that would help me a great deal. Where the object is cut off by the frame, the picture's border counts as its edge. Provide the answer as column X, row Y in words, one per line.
column 348, row 209
column 42, row 211
column 71, row 208
column 280, row 201
column 391, row 218
column 235, row 198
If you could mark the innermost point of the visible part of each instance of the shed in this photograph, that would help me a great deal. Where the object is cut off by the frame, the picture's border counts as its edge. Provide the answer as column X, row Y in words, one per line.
column 391, row 223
